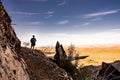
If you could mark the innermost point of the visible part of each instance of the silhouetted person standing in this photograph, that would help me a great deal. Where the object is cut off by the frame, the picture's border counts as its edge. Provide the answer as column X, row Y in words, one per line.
column 33, row 41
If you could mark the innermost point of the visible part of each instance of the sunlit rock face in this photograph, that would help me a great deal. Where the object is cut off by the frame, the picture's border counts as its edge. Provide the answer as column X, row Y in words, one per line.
column 11, row 66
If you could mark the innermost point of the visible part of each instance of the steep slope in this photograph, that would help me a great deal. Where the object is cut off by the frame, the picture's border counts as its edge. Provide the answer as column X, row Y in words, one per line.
column 42, row 68
column 11, row 66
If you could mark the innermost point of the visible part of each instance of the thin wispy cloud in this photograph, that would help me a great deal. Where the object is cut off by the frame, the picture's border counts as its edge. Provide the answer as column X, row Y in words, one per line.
column 63, row 2
column 46, row 14
column 86, row 24
column 24, row 13
column 63, row 22
column 49, row 12
column 102, row 13
column 49, row 16
column 36, row 23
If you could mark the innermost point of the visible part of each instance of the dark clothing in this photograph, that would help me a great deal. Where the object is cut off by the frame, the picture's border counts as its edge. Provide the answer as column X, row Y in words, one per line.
column 32, row 44
column 33, row 40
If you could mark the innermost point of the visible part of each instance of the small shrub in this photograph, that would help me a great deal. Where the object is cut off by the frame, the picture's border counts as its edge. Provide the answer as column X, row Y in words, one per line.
column 71, row 51
column 68, row 67
column 85, row 73
column 81, row 73
column 77, row 73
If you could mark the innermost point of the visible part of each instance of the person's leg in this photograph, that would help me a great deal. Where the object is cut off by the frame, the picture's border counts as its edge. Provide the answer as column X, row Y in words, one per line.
column 33, row 47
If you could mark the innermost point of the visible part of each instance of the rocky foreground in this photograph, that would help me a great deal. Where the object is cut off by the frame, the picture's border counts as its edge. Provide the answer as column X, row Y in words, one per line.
column 42, row 68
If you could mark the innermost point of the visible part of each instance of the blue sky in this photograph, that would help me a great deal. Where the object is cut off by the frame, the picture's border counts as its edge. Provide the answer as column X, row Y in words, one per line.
column 81, row 22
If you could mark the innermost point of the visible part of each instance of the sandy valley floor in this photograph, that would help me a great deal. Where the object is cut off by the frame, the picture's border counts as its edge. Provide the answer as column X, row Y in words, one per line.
column 96, row 54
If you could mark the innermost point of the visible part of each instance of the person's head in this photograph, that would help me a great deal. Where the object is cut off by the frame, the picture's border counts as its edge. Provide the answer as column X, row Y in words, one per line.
column 33, row 36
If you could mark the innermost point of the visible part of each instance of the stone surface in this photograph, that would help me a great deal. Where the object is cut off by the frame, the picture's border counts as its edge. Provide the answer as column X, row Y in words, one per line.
column 42, row 68
column 11, row 66
column 60, row 52
column 109, row 71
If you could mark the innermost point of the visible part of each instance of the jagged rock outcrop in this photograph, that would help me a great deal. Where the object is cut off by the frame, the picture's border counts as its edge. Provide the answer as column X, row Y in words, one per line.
column 60, row 52
column 11, row 66
column 109, row 71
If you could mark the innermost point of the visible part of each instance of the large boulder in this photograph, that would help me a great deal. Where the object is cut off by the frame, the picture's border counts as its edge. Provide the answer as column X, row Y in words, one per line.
column 109, row 71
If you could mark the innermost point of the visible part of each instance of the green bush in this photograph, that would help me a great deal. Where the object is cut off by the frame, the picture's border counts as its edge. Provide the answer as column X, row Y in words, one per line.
column 85, row 73
column 81, row 73
column 67, row 65
column 77, row 73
